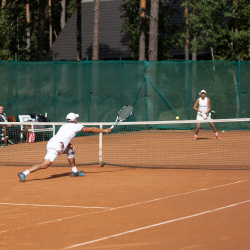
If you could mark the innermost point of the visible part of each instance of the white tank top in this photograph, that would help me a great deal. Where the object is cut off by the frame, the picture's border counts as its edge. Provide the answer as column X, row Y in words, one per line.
column 203, row 105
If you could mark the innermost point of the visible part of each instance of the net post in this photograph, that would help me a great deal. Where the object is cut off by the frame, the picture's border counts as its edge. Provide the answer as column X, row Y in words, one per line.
column 100, row 145
column 54, row 130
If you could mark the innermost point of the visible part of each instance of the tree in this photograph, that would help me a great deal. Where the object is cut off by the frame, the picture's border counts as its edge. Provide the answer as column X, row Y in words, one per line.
column 28, row 27
column 41, row 28
column 12, row 30
column 95, row 55
column 5, row 30
column 79, row 30
column 19, row 29
column 186, row 31
column 71, row 6
column 153, row 30
column 194, row 52
column 168, row 32
column 142, row 45
column 240, row 31
column 3, row 3
column 50, row 25
column 63, row 14
column 222, row 27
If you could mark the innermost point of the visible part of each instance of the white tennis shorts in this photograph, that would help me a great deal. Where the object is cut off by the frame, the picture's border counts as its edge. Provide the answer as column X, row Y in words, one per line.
column 55, row 148
column 200, row 117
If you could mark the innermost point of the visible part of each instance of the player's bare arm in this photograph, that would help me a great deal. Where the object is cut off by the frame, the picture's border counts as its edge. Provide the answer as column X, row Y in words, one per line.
column 96, row 130
column 208, row 105
column 73, row 147
column 195, row 105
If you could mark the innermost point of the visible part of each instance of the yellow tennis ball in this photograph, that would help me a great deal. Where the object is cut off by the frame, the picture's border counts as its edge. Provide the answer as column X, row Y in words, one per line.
column 223, row 131
column 177, row 118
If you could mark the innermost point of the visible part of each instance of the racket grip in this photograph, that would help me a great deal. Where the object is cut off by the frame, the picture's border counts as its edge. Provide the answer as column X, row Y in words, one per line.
column 112, row 126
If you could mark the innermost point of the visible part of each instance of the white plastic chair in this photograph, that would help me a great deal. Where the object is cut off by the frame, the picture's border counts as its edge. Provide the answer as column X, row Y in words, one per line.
column 31, row 128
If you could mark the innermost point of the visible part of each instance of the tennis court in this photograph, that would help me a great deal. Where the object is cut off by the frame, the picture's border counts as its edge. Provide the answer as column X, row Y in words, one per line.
column 158, row 189
column 125, row 208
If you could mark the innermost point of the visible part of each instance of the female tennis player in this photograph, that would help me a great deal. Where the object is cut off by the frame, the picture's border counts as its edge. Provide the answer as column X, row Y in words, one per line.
column 202, row 113
column 60, row 144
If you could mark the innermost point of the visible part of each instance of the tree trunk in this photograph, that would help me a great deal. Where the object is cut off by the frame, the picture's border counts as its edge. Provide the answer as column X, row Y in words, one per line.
column 63, row 14
column 41, row 24
column 79, row 30
column 153, row 30
column 28, row 28
column 235, row 28
column 194, row 53
column 50, row 25
column 186, row 31
column 3, row 3
column 95, row 52
column 212, row 53
column 142, row 43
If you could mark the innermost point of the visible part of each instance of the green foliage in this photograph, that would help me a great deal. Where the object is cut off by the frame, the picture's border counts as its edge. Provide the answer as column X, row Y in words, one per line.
column 13, row 29
column 169, row 32
column 71, row 6
column 222, row 27
column 131, row 16
column 12, row 26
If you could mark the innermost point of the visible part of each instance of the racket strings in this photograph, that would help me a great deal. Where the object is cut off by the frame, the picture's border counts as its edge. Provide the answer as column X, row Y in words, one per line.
column 125, row 112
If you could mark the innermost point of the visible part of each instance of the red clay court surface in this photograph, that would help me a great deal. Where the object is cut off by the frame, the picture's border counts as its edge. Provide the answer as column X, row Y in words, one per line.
column 125, row 208
column 148, row 148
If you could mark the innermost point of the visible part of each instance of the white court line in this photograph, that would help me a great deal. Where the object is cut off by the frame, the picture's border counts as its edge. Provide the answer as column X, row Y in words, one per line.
column 175, row 195
column 130, row 205
column 38, row 205
column 41, row 223
column 156, row 225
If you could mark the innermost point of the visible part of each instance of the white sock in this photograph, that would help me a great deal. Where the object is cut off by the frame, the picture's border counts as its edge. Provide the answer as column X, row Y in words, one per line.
column 216, row 133
column 74, row 169
column 195, row 135
column 26, row 172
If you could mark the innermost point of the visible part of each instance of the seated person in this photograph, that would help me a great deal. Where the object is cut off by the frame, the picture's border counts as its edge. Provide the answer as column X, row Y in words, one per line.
column 3, row 136
column 13, row 132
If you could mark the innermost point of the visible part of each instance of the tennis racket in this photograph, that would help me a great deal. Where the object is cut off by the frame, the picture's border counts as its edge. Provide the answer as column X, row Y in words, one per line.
column 211, row 115
column 123, row 114
column 203, row 115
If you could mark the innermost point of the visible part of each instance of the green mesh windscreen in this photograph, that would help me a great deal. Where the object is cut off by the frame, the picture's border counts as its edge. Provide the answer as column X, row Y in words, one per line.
column 98, row 89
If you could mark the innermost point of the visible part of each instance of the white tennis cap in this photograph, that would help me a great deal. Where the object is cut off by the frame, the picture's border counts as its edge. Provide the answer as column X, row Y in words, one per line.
column 203, row 91
column 71, row 116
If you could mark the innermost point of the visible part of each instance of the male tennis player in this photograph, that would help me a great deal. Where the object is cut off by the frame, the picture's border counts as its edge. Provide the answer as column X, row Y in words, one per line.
column 202, row 113
column 60, row 144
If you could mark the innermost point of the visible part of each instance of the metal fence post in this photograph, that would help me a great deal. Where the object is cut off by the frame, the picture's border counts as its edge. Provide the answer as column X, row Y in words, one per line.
column 16, row 84
column 239, row 76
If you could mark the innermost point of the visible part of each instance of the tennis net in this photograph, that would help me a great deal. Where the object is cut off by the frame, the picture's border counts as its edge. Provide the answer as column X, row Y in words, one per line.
column 165, row 144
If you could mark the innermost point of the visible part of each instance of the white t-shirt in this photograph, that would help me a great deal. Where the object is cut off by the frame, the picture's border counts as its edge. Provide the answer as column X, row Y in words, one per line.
column 4, row 118
column 66, row 133
column 203, row 105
